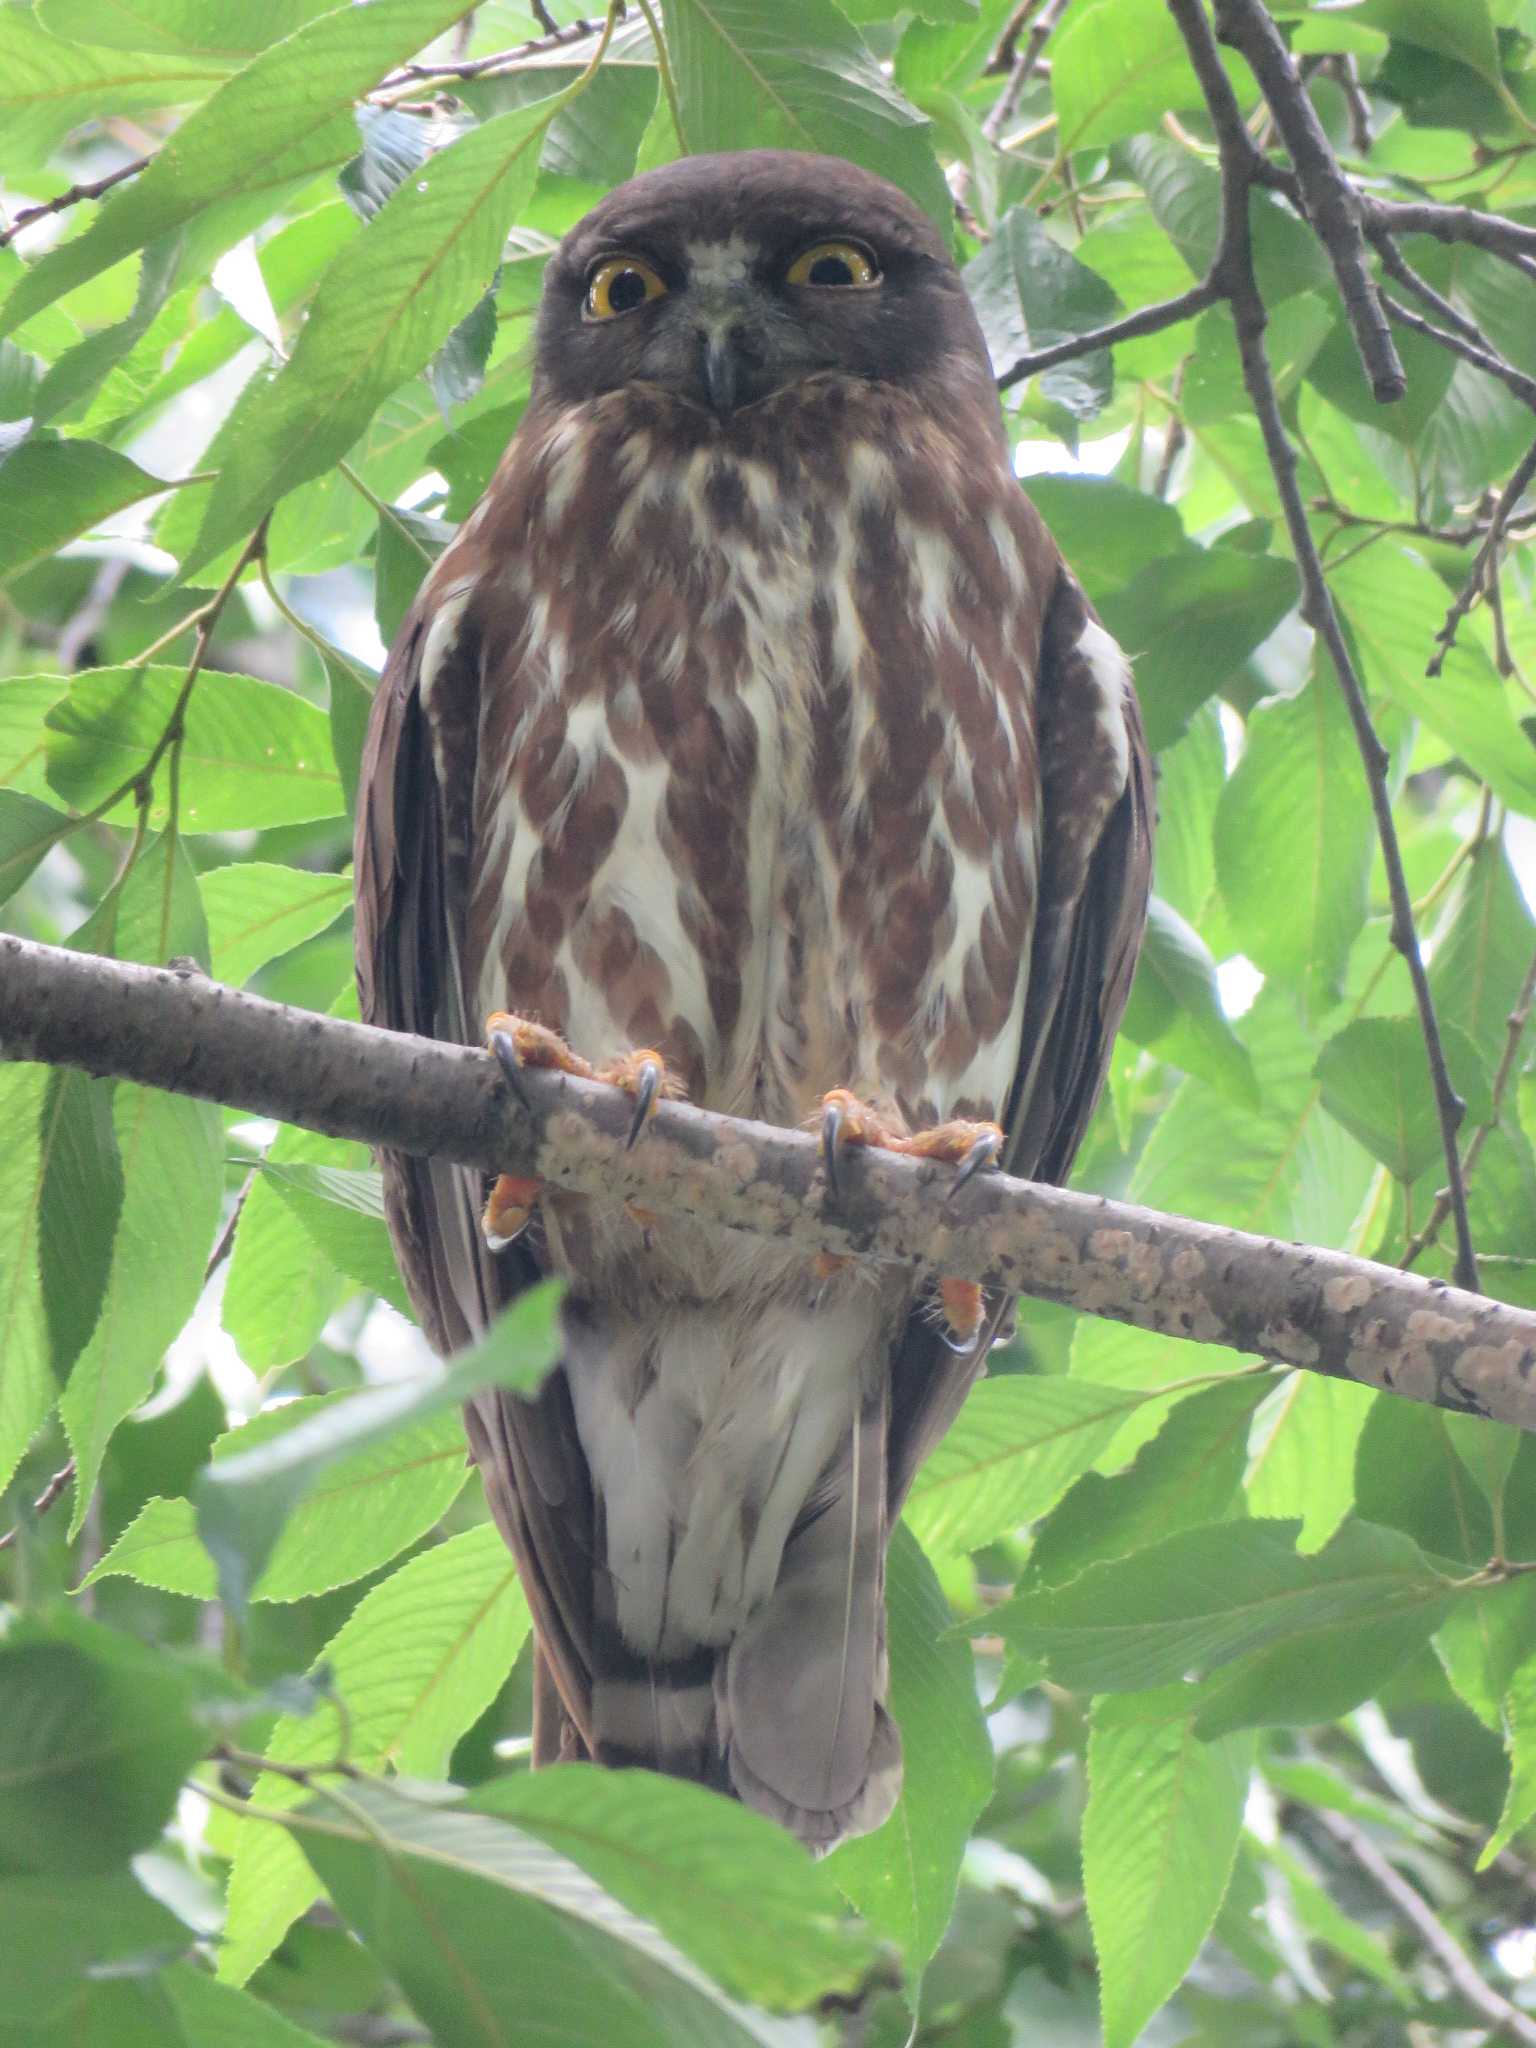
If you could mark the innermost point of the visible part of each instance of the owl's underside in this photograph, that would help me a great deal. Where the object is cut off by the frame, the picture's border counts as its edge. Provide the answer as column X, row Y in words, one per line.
column 773, row 735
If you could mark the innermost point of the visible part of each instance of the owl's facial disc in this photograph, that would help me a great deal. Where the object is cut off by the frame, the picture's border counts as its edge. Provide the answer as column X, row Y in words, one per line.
column 725, row 280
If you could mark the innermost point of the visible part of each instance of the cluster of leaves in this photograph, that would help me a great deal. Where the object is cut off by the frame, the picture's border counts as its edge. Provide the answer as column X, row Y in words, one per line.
column 1218, row 1617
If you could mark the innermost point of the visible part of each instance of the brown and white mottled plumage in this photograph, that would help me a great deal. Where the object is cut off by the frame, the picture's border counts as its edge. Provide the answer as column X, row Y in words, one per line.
column 754, row 717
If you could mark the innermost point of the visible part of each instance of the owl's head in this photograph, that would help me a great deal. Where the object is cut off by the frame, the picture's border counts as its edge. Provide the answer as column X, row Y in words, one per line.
column 722, row 279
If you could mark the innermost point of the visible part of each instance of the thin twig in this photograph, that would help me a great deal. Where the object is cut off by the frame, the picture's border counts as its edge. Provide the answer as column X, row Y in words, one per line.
column 92, row 188
column 1023, row 68
column 1480, row 358
column 1483, row 572
column 1329, row 199
column 1150, row 319
column 1416, row 1910
column 44, row 1501
column 1232, row 277
column 1397, row 265
column 499, row 60
column 1509, row 239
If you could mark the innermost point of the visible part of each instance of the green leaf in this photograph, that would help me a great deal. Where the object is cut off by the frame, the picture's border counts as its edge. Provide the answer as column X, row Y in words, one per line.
column 754, row 77
column 1009, row 1456
column 216, row 28
column 173, row 1181
column 1484, row 1640
column 387, row 301
column 1176, row 1007
column 1106, row 530
column 1029, row 292
column 244, row 1500
column 1207, row 1596
column 49, row 85
column 53, row 490
column 365, row 1510
column 281, row 1288
column 1161, row 1829
column 28, row 830
column 497, row 1940
column 1294, row 840
column 1462, row 29
column 1375, row 1079
column 1191, row 775
column 284, row 117
column 1190, row 1473
column 216, row 2015
column 341, row 1210
column 257, row 910
column 62, row 1929
column 1482, row 951
column 1520, row 1799
column 1304, row 1443
column 96, row 1735
column 903, row 1877
column 25, row 702
column 1324, row 1921
column 1117, row 67
column 416, row 1663
column 1394, row 605
column 737, row 1895
column 1190, row 621
column 27, row 1385
column 252, row 755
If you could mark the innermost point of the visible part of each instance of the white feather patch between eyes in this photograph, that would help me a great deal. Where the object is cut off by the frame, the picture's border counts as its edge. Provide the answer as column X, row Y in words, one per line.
column 711, row 264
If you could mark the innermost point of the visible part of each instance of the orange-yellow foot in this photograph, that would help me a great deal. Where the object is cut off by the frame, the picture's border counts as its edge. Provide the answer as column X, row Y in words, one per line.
column 970, row 1148
column 518, row 1042
column 508, row 1209
column 961, row 1308
column 845, row 1120
column 646, row 1076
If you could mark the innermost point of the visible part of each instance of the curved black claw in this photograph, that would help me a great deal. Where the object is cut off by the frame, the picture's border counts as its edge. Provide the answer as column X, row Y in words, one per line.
column 645, row 1096
column 983, row 1153
column 504, row 1047
column 832, row 1121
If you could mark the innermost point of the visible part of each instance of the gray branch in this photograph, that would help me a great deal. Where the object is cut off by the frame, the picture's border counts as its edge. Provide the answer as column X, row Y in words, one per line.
column 1296, row 1304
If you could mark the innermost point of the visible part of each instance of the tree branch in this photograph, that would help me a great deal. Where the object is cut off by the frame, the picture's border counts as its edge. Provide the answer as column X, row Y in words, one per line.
column 1301, row 1306
column 1415, row 1909
column 1233, row 278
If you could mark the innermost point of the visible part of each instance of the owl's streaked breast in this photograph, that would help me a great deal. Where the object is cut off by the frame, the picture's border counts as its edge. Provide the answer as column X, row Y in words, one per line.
column 720, row 808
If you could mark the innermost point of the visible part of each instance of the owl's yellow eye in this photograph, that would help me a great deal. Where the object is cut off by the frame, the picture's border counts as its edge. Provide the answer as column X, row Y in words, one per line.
column 618, row 285
column 834, row 264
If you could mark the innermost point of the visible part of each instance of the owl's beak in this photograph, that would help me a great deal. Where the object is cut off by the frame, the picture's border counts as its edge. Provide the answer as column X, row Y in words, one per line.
column 720, row 366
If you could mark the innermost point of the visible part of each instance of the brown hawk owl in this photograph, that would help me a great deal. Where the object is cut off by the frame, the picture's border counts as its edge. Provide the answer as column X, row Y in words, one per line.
column 752, row 724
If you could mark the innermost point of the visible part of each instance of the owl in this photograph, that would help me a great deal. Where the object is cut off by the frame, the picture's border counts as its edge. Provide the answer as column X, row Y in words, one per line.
column 752, row 741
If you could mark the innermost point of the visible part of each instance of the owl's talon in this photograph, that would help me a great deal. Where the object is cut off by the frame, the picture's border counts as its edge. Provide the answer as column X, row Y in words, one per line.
column 982, row 1155
column 504, row 1046
column 647, row 1086
column 832, row 1122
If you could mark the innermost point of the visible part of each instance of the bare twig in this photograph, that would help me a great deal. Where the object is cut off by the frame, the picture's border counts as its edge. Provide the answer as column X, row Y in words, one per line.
column 1509, row 239
column 1483, row 573
column 1023, row 67
column 45, row 1499
column 1150, row 319
column 499, row 60
column 1417, row 1912
column 1329, row 199
column 1397, row 265
column 1473, row 352
column 1232, row 277
column 1321, row 1310
column 92, row 188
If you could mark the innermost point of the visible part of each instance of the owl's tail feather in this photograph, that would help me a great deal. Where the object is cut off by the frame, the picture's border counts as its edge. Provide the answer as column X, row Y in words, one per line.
column 790, row 1715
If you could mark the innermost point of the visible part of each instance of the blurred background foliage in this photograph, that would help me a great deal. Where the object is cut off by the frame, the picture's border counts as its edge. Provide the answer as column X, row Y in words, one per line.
column 253, row 375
